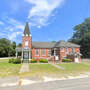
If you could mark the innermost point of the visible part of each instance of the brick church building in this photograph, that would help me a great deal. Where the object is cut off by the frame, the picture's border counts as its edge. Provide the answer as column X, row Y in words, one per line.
column 53, row 51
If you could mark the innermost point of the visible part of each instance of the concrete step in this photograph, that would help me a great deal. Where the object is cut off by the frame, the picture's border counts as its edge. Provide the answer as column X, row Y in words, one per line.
column 26, row 61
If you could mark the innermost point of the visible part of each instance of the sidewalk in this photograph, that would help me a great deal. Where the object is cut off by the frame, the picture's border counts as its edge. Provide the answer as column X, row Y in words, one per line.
column 24, row 68
column 59, row 67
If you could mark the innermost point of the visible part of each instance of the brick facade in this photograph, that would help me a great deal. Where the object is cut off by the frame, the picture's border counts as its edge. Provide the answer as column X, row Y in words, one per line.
column 27, row 38
column 40, row 53
column 61, row 54
column 58, row 50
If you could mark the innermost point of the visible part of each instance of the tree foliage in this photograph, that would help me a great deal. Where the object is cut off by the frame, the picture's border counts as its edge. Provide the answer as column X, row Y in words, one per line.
column 7, row 48
column 81, row 36
column 19, row 45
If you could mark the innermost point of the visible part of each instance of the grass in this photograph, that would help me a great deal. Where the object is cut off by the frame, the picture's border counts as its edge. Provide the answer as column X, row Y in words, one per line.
column 75, row 68
column 8, row 69
column 4, row 60
column 41, row 69
column 49, row 70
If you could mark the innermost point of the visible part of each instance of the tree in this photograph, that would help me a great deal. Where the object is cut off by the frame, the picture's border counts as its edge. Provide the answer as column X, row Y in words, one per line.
column 81, row 36
column 4, row 47
column 12, row 51
column 7, row 48
column 19, row 45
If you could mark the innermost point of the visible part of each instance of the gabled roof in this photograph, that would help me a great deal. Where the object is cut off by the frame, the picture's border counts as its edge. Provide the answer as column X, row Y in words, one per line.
column 54, row 44
column 66, row 44
column 26, row 30
column 43, row 44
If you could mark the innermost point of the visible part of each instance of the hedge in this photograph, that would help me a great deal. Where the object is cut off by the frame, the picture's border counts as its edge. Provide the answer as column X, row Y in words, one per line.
column 67, row 60
column 15, row 61
column 43, row 60
column 11, row 60
column 33, row 61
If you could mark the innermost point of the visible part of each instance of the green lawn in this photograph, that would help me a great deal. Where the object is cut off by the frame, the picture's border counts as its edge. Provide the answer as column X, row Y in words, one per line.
column 41, row 69
column 8, row 69
column 49, row 70
column 3, row 60
column 75, row 68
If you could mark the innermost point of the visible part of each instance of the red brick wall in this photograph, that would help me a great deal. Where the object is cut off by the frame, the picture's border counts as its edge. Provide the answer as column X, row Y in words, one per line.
column 63, row 54
column 40, row 53
column 60, row 53
column 71, row 57
column 29, row 39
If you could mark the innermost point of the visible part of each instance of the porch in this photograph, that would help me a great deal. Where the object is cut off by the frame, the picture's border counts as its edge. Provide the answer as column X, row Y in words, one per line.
column 25, row 54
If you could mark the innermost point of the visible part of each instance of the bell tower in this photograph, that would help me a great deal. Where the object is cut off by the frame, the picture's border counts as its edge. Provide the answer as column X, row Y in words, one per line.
column 27, row 37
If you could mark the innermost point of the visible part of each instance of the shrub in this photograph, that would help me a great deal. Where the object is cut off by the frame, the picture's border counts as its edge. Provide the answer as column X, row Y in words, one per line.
column 43, row 60
column 38, row 60
column 11, row 60
column 33, row 61
column 16, row 61
column 66, row 60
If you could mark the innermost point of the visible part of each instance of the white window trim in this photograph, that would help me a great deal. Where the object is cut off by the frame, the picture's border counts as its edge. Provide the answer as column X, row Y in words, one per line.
column 62, row 50
column 66, row 50
column 35, row 52
column 42, row 52
column 26, row 43
column 73, row 50
column 49, row 52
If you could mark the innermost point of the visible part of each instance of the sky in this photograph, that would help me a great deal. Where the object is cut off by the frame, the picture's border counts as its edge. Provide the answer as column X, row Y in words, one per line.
column 49, row 20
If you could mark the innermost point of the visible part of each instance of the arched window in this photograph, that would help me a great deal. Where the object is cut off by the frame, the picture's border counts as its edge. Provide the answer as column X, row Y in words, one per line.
column 26, row 43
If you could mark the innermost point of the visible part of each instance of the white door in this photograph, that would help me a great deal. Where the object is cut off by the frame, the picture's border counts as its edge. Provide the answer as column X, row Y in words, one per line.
column 76, row 59
column 56, row 58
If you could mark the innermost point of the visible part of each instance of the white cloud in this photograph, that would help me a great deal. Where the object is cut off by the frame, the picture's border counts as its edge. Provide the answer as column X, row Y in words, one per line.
column 1, row 23
column 2, row 34
column 13, row 36
column 16, row 29
column 38, row 26
column 12, row 28
column 15, row 24
column 41, row 10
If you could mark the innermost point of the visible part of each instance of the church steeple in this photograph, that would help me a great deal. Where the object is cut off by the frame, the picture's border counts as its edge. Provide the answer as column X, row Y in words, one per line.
column 26, row 30
column 26, row 38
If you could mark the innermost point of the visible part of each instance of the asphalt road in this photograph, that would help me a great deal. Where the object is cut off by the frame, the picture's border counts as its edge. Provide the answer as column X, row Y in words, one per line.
column 75, row 84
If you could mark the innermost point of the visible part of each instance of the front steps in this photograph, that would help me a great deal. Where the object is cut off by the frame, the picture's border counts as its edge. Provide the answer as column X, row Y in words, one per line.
column 25, row 61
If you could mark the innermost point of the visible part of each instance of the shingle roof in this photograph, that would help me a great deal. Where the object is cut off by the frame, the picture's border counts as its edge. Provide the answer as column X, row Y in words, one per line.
column 66, row 44
column 43, row 44
column 53, row 44
column 26, row 30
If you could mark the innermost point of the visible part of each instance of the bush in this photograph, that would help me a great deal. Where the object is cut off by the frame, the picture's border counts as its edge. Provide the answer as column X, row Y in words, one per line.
column 16, row 61
column 33, row 61
column 38, row 60
column 11, row 60
column 66, row 60
column 43, row 60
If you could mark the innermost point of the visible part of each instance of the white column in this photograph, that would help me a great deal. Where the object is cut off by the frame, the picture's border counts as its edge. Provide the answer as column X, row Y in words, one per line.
column 22, row 56
column 29, row 55
column 16, row 54
column 54, row 52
